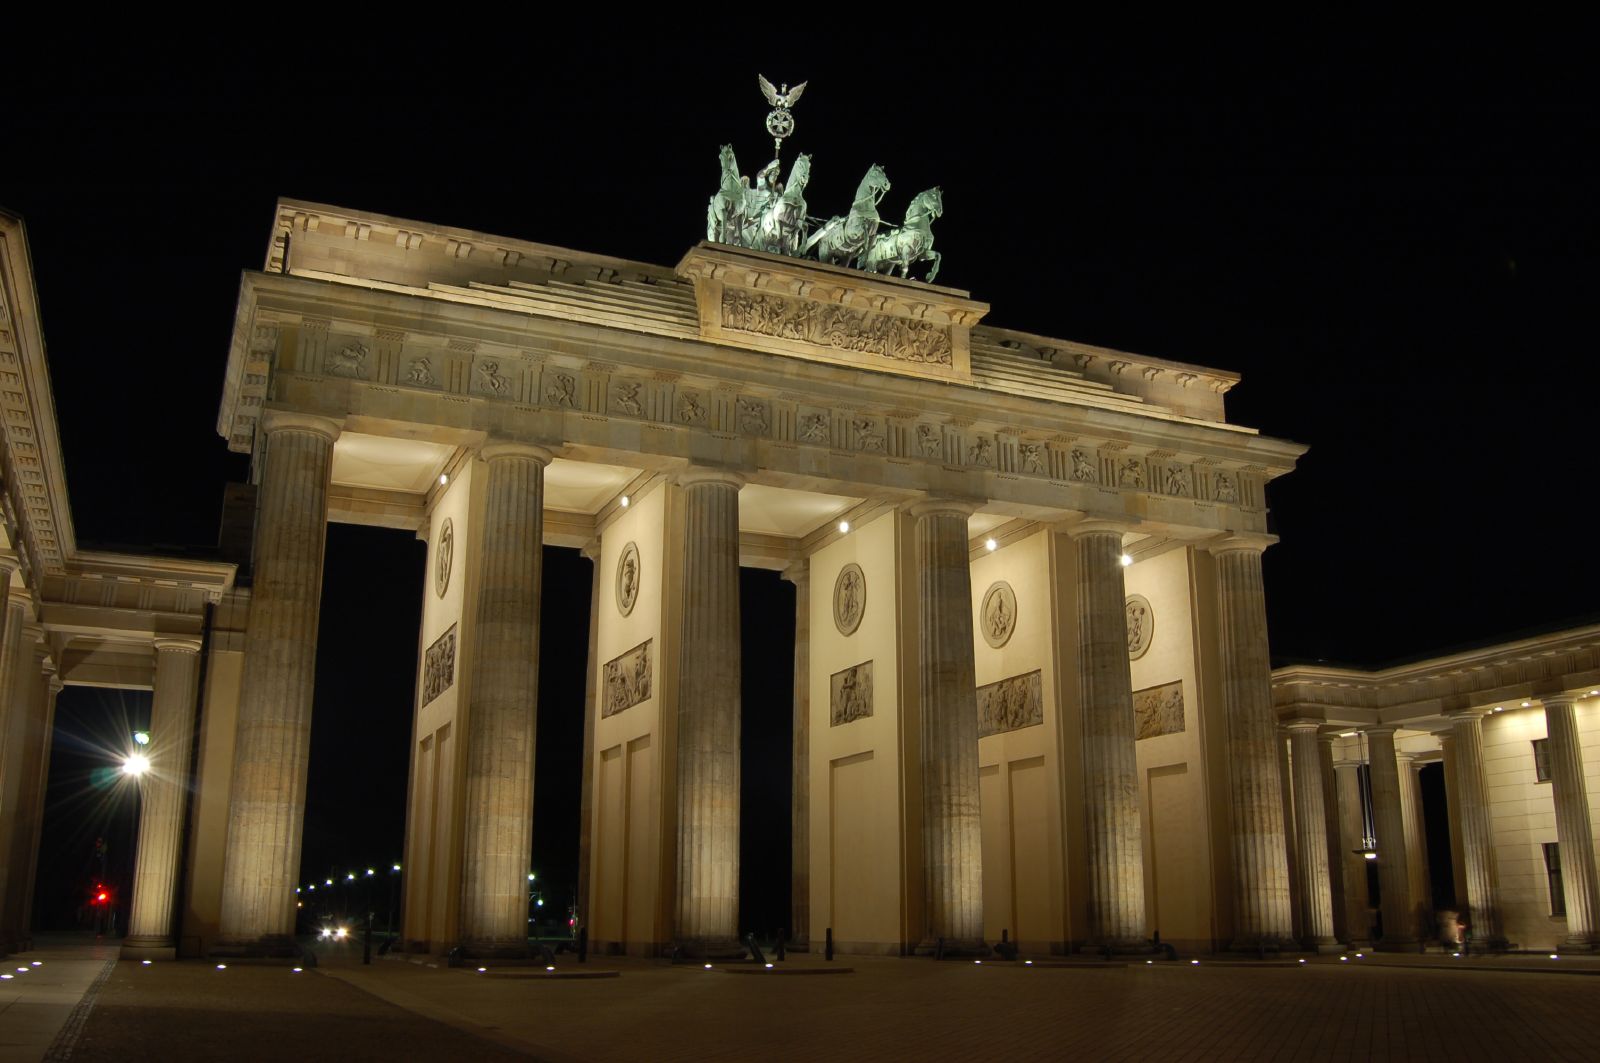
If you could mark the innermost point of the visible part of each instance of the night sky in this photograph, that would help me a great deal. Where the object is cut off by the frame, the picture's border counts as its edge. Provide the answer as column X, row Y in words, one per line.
column 1393, row 242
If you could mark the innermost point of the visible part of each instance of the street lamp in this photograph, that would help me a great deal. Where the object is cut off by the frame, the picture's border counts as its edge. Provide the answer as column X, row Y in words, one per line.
column 135, row 764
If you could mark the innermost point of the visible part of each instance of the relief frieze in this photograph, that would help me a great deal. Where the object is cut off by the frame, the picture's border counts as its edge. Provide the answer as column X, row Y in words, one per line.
column 1010, row 704
column 837, row 327
column 439, row 666
column 627, row 680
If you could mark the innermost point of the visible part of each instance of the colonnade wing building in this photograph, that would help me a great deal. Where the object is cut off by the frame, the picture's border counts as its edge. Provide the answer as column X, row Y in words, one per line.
column 1032, row 736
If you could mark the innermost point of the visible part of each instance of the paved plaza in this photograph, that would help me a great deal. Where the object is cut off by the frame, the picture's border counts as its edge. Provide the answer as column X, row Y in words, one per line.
column 1394, row 1008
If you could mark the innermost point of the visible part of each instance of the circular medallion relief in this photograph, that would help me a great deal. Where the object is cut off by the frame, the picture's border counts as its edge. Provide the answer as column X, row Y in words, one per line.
column 998, row 616
column 627, row 579
column 849, row 599
column 443, row 557
column 1141, row 625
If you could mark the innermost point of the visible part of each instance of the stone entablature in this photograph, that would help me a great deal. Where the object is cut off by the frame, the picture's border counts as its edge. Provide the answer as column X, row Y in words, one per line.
column 583, row 383
column 1426, row 690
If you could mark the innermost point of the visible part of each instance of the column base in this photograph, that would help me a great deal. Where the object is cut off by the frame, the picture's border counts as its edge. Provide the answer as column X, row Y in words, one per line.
column 1324, row 948
column 148, row 949
column 1580, row 943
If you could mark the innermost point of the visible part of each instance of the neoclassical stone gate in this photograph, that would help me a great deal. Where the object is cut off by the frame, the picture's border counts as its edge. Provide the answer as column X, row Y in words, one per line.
column 967, row 510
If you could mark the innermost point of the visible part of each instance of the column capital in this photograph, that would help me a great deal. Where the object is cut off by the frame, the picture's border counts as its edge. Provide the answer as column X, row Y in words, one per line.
column 495, row 449
column 1563, row 699
column 1241, row 542
column 1404, row 757
column 177, row 644
column 288, row 421
column 930, row 507
column 1097, row 526
column 1381, row 729
column 1302, row 724
column 591, row 550
column 1457, row 715
column 709, row 474
column 56, row 685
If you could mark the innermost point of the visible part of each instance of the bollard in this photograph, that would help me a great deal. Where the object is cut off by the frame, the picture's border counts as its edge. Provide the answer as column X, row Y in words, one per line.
column 827, row 948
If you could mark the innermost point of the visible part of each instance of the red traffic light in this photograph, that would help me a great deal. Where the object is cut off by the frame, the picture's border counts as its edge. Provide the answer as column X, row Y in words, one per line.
column 101, row 894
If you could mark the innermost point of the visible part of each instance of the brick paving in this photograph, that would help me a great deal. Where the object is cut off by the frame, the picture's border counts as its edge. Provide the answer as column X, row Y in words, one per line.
column 887, row 1009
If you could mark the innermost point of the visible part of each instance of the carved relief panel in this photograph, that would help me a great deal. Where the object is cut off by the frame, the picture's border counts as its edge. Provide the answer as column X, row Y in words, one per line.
column 1141, row 625
column 998, row 616
column 439, row 666
column 1158, row 710
column 627, row 679
column 849, row 599
column 1010, row 704
column 850, row 694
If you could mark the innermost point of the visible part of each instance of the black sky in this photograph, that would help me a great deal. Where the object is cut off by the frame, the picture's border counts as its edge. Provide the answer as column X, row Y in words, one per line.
column 1393, row 241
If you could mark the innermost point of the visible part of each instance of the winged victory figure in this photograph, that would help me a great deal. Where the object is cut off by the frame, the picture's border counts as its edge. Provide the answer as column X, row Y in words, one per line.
column 784, row 99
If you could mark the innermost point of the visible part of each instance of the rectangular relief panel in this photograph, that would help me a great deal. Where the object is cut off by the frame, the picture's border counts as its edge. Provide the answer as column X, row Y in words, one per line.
column 1010, row 704
column 627, row 680
column 439, row 666
column 1158, row 710
column 850, row 694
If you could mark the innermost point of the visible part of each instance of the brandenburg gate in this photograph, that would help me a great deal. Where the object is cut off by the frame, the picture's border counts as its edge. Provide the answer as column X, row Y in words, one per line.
column 1032, row 687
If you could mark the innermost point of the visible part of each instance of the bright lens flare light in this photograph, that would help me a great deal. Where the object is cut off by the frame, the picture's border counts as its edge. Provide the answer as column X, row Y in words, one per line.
column 136, row 764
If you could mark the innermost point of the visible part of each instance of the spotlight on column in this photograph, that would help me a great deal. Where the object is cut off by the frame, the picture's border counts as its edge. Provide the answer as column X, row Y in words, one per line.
column 625, row 501
column 990, row 545
column 136, row 764
column 444, row 478
column 142, row 737
column 1126, row 559
column 844, row 527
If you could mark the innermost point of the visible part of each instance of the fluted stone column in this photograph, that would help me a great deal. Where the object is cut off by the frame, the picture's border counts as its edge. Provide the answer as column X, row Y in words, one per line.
column 591, row 711
column 1394, row 878
column 1416, row 847
column 1452, row 800
column 1116, row 916
column 497, row 792
column 707, row 910
column 1352, row 837
column 799, row 574
column 25, row 740
column 1573, row 830
column 53, row 688
column 266, row 808
column 1330, row 835
column 1286, row 795
column 1311, row 836
column 1262, row 912
column 1481, row 904
column 13, row 715
column 163, row 800
column 952, row 832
